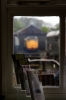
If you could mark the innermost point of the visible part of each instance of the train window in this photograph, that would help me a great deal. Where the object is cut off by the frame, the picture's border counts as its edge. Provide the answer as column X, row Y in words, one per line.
column 36, row 35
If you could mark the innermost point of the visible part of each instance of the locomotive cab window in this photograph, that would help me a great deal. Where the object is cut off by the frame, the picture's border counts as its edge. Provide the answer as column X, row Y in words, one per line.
column 39, row 35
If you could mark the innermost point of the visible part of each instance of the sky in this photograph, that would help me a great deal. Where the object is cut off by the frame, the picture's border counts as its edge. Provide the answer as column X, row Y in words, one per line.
column 48, row 19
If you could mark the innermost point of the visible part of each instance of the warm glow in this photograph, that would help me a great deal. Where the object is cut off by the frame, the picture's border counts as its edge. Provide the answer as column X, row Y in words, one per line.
column 31, row 44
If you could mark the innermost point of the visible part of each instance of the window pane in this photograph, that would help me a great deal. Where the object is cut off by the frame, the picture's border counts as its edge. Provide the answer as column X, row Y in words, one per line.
column 39, row 36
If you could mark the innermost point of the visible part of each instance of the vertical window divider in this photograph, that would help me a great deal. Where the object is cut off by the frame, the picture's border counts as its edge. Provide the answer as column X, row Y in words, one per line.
column 62, row 49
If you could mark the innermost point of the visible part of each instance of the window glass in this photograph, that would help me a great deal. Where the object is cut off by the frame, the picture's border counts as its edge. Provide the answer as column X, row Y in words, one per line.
column 38, row 35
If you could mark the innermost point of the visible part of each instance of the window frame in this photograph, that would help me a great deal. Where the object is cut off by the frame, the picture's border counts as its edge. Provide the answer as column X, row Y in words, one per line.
column 14, row 11
column 12, row 30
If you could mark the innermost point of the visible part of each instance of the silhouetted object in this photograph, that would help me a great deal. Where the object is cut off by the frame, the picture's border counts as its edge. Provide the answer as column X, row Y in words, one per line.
column 57, row 58
column 56, row 78
column 16, row 68
column 48, row 55
column 21, row 76
column 19, row 72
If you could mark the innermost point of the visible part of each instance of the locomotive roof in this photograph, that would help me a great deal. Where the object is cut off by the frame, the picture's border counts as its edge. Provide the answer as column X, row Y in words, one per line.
column 53, row 33
column 30, row 30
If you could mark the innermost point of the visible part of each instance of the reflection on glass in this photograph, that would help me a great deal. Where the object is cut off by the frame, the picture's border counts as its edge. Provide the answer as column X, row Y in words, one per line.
column 34, row 35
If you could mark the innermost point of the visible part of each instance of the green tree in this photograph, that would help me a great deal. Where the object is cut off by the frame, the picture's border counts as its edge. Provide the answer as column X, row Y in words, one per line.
column 45, row 29
column 17, row 25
